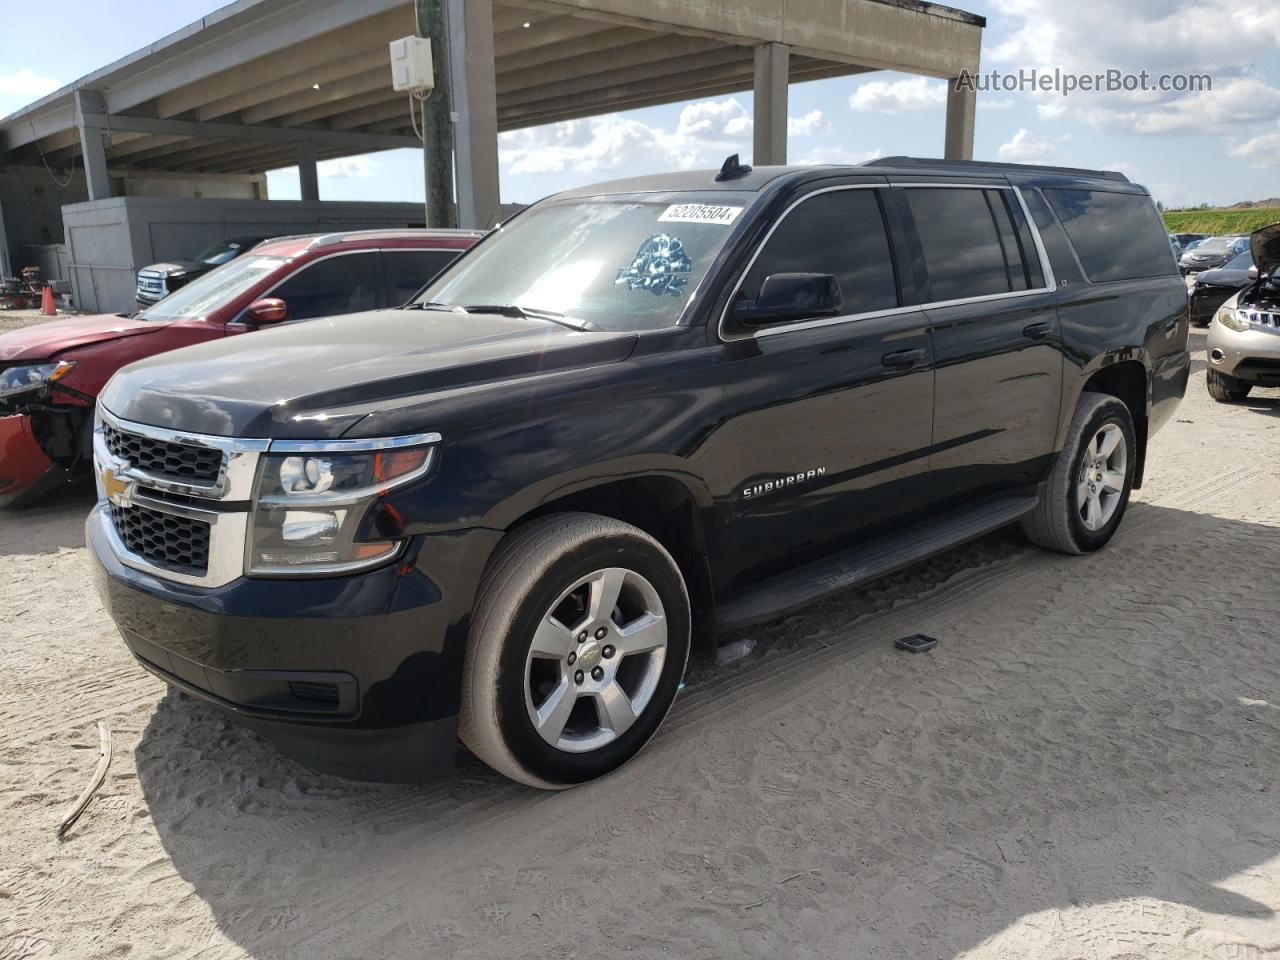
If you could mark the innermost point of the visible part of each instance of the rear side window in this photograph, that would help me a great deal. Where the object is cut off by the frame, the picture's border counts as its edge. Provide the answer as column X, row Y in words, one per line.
column 327, row 288
column 975, row 242
column 840, row 232
column 1117, row 236
column 405, row 272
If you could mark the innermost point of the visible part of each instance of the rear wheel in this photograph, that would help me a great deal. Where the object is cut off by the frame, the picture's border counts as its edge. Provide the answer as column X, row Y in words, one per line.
column 1086, row 493
column 578, row 645
column 1226, row 389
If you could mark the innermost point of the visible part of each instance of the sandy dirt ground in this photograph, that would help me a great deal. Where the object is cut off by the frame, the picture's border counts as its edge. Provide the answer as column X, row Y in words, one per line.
column 1085, row 767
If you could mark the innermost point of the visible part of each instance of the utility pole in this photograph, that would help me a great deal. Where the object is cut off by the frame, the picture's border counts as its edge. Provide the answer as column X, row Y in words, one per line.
column 437, row 120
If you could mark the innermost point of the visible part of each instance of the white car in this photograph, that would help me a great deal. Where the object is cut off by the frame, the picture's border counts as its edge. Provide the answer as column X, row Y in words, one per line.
column 1244, row 337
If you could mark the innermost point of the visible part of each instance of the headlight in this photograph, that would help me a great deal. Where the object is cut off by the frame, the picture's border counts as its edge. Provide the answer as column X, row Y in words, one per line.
column 17, row 380
column 1232, row 319
column 310, row 506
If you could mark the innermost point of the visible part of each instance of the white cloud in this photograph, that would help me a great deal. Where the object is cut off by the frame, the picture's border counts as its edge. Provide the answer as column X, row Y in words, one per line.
column 810, row 124
column 25, row 83
column 986, row 103
column 714, row 120
column 838, row 155
column 1026, row 147
column 705, row 133
column 344, row 168
column 1156, row 36
column 1238, row 103
column 1261, row 151
column 899, row 96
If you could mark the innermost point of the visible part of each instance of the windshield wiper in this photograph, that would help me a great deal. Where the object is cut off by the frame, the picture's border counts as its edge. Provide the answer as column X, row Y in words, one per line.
column 530, row 313
column 429, row 305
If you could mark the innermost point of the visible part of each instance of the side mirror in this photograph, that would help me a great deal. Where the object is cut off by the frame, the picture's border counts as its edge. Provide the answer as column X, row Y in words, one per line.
column 266, row 311
column 792, row 296
column 1253, row 273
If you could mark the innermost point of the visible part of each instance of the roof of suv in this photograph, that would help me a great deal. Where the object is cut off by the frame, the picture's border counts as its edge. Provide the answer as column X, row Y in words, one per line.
column 291, row 246
column 760, row 178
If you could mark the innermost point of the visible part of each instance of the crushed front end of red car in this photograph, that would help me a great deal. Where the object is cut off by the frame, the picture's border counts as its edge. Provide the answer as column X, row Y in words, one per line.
column 25, row 469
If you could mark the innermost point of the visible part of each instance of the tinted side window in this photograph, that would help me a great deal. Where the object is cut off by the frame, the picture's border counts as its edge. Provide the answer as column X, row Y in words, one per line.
column 342, row 284
column 405, row 272
column 1117, row 236
column 841, row 233
column 963, row 254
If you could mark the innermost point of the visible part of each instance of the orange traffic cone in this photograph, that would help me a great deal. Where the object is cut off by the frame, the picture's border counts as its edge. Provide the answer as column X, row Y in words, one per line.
column 46, row 302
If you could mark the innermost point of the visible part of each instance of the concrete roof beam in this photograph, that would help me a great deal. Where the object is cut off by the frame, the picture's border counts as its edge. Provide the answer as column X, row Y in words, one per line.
column 317, row 104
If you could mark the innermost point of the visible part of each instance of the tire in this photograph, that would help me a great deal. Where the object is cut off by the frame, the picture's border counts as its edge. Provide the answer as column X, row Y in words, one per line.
column 542, row 585
column 1063, row 519
column 1226, row 389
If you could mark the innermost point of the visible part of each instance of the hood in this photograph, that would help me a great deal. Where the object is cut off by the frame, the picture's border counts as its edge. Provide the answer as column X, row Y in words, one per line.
column 171, row 267
column 43, row 341
column 1264, row 244
column 303, row 380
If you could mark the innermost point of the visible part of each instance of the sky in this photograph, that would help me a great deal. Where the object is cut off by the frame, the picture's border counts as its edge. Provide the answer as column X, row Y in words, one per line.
column 1217, row 146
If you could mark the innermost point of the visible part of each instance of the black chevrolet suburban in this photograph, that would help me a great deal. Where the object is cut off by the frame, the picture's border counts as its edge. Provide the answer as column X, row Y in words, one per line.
column 633, row 417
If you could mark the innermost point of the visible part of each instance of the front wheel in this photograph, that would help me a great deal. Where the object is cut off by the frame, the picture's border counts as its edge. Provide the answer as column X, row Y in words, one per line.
column 1084, row 498
column 578, row 644
column 1226, row 389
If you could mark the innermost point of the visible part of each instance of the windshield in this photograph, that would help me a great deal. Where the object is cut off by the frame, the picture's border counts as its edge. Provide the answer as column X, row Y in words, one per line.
column 1216, row 245
column 612, row 263
column 220, row 252
column 211, row 291
column 1241, row 261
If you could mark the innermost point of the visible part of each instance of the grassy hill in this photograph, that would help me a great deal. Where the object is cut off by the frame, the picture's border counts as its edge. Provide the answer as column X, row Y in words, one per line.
column 1218, row 222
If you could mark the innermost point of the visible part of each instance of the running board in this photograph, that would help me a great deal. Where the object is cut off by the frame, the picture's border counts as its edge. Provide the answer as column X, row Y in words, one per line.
column 794, row 589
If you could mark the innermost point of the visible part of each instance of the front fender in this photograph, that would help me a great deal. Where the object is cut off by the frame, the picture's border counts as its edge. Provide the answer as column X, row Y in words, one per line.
column 24, row 468
column 507, row 512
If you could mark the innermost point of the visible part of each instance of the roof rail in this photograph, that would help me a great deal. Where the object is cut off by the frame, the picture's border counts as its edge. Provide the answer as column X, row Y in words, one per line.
column 339, row 236
column 984, row 166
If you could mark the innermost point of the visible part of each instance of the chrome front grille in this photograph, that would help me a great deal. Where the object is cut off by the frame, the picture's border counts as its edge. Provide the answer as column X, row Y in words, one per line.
column 173, row 461
column 173, row 503
column 1262, row 318
column 151, row 286
column 164, row 539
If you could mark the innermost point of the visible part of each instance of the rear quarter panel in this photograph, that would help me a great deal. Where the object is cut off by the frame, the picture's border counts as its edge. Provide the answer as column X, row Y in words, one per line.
column 1142, row 320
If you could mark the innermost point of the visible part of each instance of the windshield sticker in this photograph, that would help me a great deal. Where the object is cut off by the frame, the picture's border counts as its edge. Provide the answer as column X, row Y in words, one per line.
column 700, row 213
column 659, row 266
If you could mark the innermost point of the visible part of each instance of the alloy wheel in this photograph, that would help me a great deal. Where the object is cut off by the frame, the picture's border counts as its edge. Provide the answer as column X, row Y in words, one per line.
column 595, row 660
column 1100, row 485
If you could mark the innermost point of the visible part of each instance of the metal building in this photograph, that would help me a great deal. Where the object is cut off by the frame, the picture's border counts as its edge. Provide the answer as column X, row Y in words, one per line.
column 263, row 84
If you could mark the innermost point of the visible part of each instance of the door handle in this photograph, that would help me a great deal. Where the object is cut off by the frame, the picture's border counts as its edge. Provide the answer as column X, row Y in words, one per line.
column 903, row 358
column 1037, row 331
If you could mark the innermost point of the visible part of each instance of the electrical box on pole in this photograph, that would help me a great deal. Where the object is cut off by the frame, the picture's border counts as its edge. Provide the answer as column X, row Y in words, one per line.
column 412, row 70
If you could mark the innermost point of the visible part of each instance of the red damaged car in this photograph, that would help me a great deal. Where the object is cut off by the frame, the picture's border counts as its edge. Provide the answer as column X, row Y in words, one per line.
column 50, row 373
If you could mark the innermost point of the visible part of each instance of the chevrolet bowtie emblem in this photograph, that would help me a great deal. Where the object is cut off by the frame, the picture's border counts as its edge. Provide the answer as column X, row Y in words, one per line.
column 118, row 490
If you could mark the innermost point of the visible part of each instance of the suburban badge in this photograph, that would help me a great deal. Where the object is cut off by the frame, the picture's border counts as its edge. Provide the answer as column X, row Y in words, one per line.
column 790, row 480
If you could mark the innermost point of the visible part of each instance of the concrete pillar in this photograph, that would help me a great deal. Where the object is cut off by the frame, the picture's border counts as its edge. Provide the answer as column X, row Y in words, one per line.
column 308, row 178
column 962, row 104
column 770, row 124
column 475, row 111
column 91, row 117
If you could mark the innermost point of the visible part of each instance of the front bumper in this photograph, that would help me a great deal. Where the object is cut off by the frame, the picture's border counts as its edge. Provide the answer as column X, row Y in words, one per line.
column 1205, row 301
column 1250, row 355
column 25, row 470
column 357, row 676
